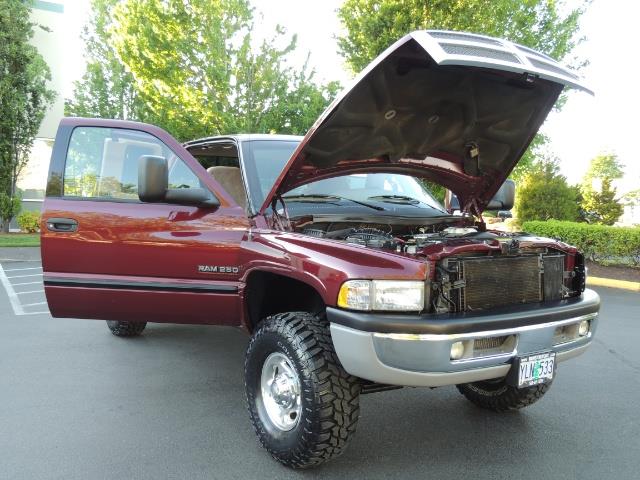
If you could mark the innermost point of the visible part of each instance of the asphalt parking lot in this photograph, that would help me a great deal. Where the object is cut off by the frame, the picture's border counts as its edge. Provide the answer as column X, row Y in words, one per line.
column 79, row 403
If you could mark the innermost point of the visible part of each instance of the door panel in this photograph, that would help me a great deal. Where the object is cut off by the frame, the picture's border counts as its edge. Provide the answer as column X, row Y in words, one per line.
column 122, row 259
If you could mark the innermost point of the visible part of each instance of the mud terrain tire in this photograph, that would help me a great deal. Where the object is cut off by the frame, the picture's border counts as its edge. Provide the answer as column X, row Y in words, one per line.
column 126, row 329
column 496, row 395
column 328, row 396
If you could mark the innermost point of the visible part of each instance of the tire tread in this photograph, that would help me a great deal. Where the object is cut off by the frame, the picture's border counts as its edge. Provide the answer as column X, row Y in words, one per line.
column 504, row 399
column 337, row 392
column 126, row 329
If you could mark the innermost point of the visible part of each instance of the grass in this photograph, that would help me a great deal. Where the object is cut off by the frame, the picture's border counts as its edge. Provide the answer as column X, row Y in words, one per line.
column 19, row 239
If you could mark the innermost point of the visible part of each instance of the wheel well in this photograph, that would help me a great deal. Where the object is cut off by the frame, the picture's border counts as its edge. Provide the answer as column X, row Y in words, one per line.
column 269, row 293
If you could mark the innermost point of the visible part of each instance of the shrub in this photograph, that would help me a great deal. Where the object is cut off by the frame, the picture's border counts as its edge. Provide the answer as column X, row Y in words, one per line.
column 601, row 243
column 29, row 222
column 9, row 207
column 544, row 194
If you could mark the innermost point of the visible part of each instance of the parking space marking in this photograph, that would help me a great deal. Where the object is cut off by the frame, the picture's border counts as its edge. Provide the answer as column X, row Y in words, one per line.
column 18, row 307
column 34, row 304
column 24, row 276
column 13, row 298
column 21, row 269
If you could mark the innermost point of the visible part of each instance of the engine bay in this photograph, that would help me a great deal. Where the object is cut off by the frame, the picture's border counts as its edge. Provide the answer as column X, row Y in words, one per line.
column 470, row 268
column 408, row 239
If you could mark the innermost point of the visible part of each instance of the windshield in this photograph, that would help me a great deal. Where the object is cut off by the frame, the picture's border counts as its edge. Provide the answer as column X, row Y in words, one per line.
column 370, row 186
column 264, row 160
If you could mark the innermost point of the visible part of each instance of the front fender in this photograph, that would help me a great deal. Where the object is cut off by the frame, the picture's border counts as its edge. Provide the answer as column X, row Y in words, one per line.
column 325, row 264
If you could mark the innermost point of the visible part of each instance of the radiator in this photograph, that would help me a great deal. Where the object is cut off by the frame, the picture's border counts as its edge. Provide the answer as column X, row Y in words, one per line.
column 490, row 282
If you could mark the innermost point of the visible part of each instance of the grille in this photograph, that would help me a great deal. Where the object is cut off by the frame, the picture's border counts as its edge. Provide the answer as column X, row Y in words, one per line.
column 529, row 51
column 498, row 281
column 455, row 49
column 465, row 36
column 552, row 68
column 488, row 343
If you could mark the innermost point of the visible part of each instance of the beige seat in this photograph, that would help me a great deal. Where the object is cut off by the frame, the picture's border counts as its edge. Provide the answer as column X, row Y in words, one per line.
column 231, row 181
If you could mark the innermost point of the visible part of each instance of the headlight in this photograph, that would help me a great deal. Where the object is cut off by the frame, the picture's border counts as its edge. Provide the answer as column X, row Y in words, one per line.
column 393, row 295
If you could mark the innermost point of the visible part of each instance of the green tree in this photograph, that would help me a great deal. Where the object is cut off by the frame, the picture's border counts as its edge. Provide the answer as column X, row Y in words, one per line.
column 545, row 25
column 602, row 203
column 632, row 198
column 372, row 25
column 24, row 98
column 107, row 89
column 544, row 194
column 604, row 166
column 193, row 68
column 598, row 194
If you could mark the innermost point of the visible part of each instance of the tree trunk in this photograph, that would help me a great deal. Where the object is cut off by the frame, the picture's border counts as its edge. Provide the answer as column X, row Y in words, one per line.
column 5, row 226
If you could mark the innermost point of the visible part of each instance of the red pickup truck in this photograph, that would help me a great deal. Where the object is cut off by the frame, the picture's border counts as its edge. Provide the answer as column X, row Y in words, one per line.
column 329, row 250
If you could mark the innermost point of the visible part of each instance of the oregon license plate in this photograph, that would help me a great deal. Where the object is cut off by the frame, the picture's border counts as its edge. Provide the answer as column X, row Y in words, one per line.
column 535, row 369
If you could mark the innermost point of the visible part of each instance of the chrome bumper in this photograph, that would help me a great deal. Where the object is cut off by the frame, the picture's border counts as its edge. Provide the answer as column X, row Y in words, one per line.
column 424, row 359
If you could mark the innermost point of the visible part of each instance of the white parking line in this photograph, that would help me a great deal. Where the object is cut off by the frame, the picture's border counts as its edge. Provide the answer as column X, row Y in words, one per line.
column 24, row 276
column 18, row 308
column 30, row 291
column 34, row 304
column 13, row 298
column 20, row 269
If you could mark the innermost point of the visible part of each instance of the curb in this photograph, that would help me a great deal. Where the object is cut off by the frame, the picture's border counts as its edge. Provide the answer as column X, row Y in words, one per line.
column 611, row 283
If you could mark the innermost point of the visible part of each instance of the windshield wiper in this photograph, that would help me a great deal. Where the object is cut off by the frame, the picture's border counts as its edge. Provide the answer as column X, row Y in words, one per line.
column 403, row 199
column 324, row 196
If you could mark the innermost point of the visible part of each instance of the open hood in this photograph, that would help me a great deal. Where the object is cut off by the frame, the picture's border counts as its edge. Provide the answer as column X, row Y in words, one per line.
column 456, row 108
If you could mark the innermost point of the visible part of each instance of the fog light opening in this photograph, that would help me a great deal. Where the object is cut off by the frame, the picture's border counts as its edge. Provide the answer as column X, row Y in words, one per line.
column 457, row 350
column 583, row 328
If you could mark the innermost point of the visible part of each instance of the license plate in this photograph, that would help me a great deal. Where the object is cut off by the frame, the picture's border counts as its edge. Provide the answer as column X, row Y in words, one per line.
column 535, row 369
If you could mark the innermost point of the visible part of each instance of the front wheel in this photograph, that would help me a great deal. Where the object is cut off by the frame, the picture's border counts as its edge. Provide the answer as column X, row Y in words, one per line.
column 303, row 405
column 498, row 396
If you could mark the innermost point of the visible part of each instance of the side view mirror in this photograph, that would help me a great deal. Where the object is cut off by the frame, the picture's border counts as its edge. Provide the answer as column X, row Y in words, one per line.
column 502, row 200
column 504, row 197
column 153, row 186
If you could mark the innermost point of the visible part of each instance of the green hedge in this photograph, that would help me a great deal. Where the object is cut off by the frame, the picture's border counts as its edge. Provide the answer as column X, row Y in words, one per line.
column 603, row 244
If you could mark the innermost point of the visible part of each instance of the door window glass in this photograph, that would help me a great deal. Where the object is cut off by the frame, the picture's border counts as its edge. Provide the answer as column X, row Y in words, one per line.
column 103, row 163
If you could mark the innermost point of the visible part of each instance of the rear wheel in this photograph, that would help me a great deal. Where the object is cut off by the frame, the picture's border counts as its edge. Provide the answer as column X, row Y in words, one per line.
column 303, row 405
column 498, row 396
column 126, row 329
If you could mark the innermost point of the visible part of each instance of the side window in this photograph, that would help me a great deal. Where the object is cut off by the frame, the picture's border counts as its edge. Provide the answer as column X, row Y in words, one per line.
column 103, row 163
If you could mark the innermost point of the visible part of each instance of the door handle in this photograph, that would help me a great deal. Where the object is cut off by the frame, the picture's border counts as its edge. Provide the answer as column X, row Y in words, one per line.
column 62, row 224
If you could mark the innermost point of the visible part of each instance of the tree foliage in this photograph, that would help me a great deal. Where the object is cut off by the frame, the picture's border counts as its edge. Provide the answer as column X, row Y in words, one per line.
column 372, row 25
column 602, row 204
column 193, row 68
column 632, row 198
column 544, row 194
column 24, row 98
column 605, row 166
column 107, row 89
column 599, row 200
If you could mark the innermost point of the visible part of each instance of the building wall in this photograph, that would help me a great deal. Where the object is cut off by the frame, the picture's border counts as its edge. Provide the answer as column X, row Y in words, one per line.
column 61, row 49
column 51, row 45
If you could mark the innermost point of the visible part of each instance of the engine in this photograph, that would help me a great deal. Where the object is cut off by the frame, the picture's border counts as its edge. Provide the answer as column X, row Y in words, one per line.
column 400, row 239
column 471, row 270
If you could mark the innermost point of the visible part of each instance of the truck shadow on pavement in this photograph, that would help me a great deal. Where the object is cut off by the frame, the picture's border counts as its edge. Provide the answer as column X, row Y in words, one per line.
column 417, row 428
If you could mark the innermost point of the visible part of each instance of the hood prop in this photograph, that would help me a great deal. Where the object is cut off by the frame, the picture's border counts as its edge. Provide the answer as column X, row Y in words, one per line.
column 280, row 222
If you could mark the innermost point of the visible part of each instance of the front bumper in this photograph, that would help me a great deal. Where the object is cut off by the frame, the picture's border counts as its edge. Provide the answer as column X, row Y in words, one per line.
column 414, row 350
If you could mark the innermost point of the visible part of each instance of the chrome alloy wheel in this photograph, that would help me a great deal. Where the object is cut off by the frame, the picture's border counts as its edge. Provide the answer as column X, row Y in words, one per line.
column 280, row 387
